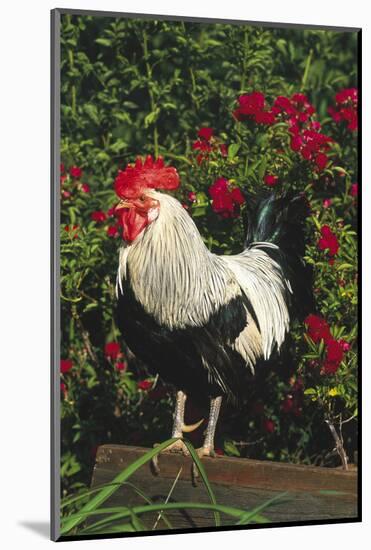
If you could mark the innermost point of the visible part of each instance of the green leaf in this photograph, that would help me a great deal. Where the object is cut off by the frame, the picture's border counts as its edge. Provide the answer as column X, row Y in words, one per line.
column 262, row 167
column 151, row 117
column 231, row 449
column 92, row 112
column 103, row 42
column 233, row 149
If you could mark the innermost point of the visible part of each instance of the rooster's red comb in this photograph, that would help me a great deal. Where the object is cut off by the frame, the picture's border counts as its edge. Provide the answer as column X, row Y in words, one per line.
column 150, row 174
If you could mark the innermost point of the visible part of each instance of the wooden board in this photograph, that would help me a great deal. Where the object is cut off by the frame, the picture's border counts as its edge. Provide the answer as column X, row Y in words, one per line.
column 236, row 482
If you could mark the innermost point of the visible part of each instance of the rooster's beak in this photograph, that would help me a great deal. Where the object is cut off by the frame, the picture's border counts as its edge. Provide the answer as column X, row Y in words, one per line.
column 124, row 204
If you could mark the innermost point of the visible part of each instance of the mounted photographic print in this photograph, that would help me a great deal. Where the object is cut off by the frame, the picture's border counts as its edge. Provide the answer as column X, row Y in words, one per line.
column 205, row 212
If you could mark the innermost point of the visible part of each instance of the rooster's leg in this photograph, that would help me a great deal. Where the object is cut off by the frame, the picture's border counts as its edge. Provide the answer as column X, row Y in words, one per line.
column 178, row 428
column 207, row 448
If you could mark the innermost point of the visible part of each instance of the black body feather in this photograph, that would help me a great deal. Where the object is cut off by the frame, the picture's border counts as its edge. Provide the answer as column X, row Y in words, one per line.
column 280, row 220
column 191, row 359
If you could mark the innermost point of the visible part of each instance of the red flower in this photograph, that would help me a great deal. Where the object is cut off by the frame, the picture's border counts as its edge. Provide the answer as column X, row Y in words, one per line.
column 335, row 352
column 66, row 194
column 346, row 108
column 121, row 366
column 330, row 367
column 327, row 203
column 300, row 99
column 252, row 102
column 145, row 385
column 328, row 241
column 237, row 196
column 150, row 174
column 318, row 328
column 265, row 117
column 202, row 145
column 334, row 356
column 252, row 106
column 321, row 160
column 268, row 425
column 223, row 149
column 346, row 96
column 205, row 133
column 284, row 104
column 354, row 189
column 226, row 200
column 345, row 345
column 66, row 365
column 112, row 231
column 75, row 172
column 112, row 350
column 315, row 125
column 192, row 196
column 98, row 216
column 61, row 167
column 296, row 143
column 270, row 180
column 64, row 389
column 85, row 188
column 306, row 153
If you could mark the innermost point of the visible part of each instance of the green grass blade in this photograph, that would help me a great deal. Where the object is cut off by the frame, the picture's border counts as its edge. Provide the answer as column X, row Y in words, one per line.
column 250, row 516
column 106, row 492
column 138, row 510
column 71, row 500
column 90, row 492
column 137, row 523
column 204, row 477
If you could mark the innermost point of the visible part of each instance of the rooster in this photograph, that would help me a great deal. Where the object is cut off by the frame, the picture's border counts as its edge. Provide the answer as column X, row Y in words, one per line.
column 199, row 320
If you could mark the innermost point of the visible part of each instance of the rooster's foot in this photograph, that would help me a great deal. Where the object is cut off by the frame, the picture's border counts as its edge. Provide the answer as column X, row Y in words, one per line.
column 177, row 447
column 201, row 452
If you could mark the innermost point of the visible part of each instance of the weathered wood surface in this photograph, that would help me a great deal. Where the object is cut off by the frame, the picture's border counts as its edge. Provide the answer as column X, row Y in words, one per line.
column 242, row 483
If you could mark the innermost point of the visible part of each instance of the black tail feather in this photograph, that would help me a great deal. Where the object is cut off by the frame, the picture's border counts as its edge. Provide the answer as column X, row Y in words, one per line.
column 281, row 220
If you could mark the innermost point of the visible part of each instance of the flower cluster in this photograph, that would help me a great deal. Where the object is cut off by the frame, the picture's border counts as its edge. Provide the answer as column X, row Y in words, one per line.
column 227, row 199
column 99, row 217
column 66, row 365
column 113, row 353
column 319, row 330
column 328, row 241
column 72, row 179
column 306, row 139
column 298, row 113
column 145, row 385
column 253, row 107
column 208, row 143
column 346, row 107
column 270, row 180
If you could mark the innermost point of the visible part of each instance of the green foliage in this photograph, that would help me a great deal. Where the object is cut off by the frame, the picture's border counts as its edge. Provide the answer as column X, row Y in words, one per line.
column 89, row 504
column 134, row 87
